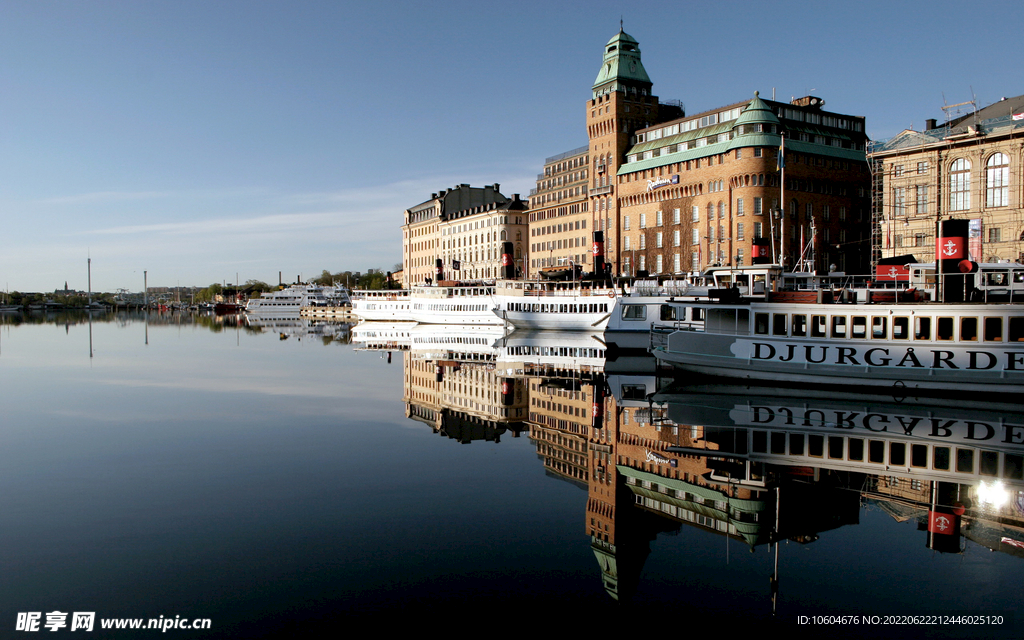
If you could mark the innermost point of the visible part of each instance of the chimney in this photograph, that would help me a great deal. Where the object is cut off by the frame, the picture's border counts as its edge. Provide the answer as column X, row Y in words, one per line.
column 497, row 187
column 929, row 124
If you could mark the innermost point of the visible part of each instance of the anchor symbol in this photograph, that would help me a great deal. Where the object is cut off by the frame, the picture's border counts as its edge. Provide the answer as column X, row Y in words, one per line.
column 942, row 523
column 892, row 272
column 950, row 248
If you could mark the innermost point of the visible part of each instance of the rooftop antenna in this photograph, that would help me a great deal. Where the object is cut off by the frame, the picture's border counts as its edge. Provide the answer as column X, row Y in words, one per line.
column 620, row 23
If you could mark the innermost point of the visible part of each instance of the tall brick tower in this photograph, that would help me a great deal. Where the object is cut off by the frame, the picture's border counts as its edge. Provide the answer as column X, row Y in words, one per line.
column 621, row 103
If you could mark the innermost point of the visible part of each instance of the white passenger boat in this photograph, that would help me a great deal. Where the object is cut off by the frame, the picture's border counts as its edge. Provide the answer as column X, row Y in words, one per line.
column 383, row 305
column 291, row 300
column 562, row 306
column 451, row 302
column 924, row 346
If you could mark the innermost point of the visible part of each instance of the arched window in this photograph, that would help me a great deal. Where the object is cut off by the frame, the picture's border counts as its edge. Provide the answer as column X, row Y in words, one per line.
column 721, row 209
column 960, row 185
column 997, row 180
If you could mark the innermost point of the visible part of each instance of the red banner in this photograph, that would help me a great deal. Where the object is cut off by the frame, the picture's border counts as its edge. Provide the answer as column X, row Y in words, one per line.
column 950, row 248
column 891, row 273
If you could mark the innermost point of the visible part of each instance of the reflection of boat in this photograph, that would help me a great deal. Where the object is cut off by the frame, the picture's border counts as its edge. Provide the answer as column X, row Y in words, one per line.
column 383, row 336
column 551, row 353
column 968, row 347
column 291, row 300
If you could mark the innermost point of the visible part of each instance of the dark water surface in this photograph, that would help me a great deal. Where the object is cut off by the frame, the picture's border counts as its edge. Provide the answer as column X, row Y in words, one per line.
column 277, row 487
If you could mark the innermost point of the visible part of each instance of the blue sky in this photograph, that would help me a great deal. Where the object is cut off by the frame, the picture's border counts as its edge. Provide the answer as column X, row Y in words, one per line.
column 200, row 140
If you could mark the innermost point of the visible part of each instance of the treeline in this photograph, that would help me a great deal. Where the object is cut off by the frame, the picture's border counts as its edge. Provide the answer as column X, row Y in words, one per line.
column 371, row 279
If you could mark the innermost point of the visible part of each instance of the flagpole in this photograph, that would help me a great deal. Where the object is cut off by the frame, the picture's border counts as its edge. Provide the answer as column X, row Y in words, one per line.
column 782, row 201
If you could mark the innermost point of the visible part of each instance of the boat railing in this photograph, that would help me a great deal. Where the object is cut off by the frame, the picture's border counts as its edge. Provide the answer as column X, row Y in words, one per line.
column 567, row 293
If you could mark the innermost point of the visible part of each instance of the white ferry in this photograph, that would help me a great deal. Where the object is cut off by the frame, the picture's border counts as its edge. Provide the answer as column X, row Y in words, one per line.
column 926, row 346
column 387, row 305
column 562, row 306
column 291, row 300
column 451, row 302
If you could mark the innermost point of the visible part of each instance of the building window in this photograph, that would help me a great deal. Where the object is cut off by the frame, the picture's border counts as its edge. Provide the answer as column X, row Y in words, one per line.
column 657, row 263
column 922, row 167
column 711, row 234
column 657, row 218
column 739, row 257
column 721, row 210
column 757, row 230
column 993, row 234
column 643, row 220
column 921, row 198
column 899, row 202
column 897, row 170
column 675, row 239
column 657, row 240
column 625, row 223
column 739, row 231
column 757, row 152
column 675, row 216
column 899, row 241
column 739, row 206
column 642, row 263
column 675, row 263
column 643, row 241
column 625, row 243
column 960, row 185
column 757, row 206
column 695, row 214
column 919, row 239
column 696, row 236
column 694, row 261
column 997, row 180
column 809, row 211
column 842, row 213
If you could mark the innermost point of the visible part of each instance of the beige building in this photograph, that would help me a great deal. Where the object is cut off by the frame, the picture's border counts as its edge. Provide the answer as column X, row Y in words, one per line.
column 463, row 227
column 968, row 169
column 560, row 221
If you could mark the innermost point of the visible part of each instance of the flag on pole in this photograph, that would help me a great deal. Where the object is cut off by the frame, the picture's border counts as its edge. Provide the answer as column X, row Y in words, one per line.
column 780, row 158
column 1018, row 116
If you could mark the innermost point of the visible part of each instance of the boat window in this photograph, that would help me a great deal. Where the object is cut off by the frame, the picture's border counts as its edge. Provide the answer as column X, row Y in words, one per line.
column 965, row 460
column 897, row 454
column 835, row 447
column 1013, row 467
column 634, row 312
column 900, row 328
column 799, row 325
column 989, row 463
column 697, row 314
column 778, row 443
column 796, row 444
column 818, row 326
column 668, row 312
column 779, row 324
column 1016, row 330
column 856, row 446
column 838, row 326
column 993, row 329
column 968, row 329
column 940, row 458
column 760, row 443
column 859, row 327
column 996, row 278
column 761, row 323
column 878, row 327
column 876, row 451
column 816, row 446
column 944, row 329
column 919, row 455
column 922, row 328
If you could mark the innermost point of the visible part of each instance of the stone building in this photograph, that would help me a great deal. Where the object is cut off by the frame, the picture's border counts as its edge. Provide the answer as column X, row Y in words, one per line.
column 969, row 168
column 560, row 221
column 464, row 228
column 698, row 191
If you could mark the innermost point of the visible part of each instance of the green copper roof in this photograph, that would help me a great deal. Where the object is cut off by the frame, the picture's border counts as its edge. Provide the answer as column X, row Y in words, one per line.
column 622, row 62
column 757, row 112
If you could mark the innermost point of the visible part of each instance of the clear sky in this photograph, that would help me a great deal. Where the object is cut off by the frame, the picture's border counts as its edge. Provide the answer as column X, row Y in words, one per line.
column 199, row 140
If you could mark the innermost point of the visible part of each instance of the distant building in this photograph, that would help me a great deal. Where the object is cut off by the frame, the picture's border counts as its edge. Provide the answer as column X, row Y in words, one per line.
column 464, row 228
column 969, row 168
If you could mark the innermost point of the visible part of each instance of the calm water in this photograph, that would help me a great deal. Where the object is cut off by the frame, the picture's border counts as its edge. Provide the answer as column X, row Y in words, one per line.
column 276, row 483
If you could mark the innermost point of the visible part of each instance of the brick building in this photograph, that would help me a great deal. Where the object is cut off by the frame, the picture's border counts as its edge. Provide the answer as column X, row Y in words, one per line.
column 969, row 168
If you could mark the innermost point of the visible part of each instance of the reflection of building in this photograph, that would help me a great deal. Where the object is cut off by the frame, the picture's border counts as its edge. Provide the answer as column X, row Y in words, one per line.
column 968, row 169
column 463, row 401
column 464, row 227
